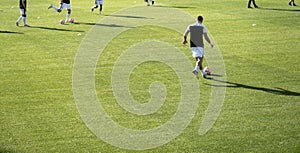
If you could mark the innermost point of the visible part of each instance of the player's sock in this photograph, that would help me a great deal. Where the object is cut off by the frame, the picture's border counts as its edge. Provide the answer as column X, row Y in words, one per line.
column 203, row 74
column 19, row 19
column 55, row 8
column 24, row 20
column 67, row 17
column 197, row 68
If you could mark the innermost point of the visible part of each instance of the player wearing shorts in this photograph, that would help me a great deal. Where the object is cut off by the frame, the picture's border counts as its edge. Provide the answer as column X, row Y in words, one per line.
column 197, row 30
column 98, row 3
column 23, row 5
column 63, row 4
column 148, row 4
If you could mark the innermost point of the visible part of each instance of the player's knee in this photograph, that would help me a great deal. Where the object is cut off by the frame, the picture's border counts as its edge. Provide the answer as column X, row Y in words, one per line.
column 59, row 10
column 96, row 6
column 69, row 11
column 23, row 15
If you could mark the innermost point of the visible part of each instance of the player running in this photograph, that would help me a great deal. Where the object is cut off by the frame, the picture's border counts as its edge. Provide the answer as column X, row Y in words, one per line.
column 197, row 30
column 98, row 3
column 63, row 4
column 23, row 5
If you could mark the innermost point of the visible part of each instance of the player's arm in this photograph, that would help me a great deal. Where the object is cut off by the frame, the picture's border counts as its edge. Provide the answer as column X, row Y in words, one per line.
column 208, row 40
column 186, row 33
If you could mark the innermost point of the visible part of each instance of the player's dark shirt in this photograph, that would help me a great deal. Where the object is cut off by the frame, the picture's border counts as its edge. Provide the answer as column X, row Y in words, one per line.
column 196, row 39
column 21, row 4
column 66, row 1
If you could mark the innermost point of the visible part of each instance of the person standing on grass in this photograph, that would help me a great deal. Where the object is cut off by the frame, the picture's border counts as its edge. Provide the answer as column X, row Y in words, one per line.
column 253, row 2
column 98, row 3
column 23, row 5
column 63, row 4
column 292, row 3
column 197, row 30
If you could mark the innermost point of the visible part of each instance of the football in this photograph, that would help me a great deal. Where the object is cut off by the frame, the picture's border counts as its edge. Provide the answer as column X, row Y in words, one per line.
column 207, row 70
column 62, row 21
column 71, row 20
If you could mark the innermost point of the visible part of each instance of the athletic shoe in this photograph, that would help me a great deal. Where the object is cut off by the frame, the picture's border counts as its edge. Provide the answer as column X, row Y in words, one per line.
column 26, row 25
column 92, row 9
column 195, row 73
column 17, row 24
column 294, row 4
column 51, row 5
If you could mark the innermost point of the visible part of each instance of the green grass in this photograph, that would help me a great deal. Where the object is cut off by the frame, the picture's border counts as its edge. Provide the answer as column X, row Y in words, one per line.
column 260, row 113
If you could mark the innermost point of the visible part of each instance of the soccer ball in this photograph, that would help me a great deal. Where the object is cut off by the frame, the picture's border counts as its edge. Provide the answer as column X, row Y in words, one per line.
column 207, row 70
column 62, row 21
column 71, row 20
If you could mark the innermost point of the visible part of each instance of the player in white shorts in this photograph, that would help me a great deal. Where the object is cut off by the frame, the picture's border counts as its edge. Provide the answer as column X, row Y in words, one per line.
column 23, row 6
column 63, row 4
column 197, row 30
column 98, row 3
column 148, row 4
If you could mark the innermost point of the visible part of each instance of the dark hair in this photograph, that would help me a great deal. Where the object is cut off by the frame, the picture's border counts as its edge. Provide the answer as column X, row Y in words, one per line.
column 200, row 18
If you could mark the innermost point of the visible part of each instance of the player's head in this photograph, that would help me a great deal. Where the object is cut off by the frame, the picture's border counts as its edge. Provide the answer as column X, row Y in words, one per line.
column 200, row 18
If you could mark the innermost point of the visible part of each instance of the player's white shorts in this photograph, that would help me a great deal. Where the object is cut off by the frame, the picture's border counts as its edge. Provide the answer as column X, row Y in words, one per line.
column 64, row 5
column 98, row 2
column 23, row 11
column 198, row 51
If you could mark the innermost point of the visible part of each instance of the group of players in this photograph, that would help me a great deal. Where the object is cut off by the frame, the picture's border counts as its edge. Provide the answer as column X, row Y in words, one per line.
column 63, row 4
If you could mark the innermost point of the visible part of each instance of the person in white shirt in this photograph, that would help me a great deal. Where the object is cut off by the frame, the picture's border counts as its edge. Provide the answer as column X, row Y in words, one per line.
column 198, row 31
column 63, row 4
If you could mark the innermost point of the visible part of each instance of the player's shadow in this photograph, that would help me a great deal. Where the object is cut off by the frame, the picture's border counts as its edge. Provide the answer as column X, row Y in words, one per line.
column 11, row 32
column 101, row 24
column 280, row 9
column 179, row 7
column 277, row 91
column 56, row 29
column 128, row 16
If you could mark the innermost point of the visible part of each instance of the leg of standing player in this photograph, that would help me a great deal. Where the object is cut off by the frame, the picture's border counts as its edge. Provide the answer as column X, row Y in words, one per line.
column 101, row 4
column 152, row 1
column 69, row 12
column 22, row 17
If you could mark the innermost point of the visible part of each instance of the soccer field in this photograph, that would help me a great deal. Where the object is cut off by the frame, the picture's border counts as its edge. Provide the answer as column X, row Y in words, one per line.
column 122, row 81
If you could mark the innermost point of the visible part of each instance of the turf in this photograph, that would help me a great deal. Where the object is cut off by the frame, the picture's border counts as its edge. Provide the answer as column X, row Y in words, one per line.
column 260, row 112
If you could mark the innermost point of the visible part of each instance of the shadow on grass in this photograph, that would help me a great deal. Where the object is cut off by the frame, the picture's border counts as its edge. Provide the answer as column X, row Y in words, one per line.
column 11, row 32
column 6, row 151
column 100, row 24
column 280, row 9
column 56, row 29
column 277, row 91
column 128, row 16
column 180, row 7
